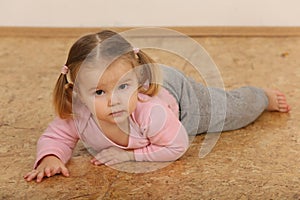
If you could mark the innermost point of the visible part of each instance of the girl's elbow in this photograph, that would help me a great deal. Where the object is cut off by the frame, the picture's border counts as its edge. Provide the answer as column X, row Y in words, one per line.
column 179, row 152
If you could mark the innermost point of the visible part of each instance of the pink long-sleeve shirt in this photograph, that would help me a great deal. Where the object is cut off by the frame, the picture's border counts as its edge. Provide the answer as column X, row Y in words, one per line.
column 156, row 134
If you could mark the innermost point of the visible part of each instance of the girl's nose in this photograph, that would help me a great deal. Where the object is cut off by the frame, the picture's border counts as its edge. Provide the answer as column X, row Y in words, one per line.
column 113, row 99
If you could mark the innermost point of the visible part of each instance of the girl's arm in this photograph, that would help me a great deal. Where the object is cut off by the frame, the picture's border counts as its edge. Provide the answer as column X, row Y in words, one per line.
column 167, row 152
column 167, row 136
column 54, row 149
column 59, row 139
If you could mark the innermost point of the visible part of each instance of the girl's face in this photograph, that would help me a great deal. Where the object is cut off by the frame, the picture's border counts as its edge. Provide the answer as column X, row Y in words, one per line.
column 115, row 95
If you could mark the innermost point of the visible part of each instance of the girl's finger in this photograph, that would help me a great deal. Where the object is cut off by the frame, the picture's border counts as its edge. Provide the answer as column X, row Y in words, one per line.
column 112, row 162
column 97, row 163
column 40, row 176
column 26, row 175
column 31, row 175
column 100, row 161
column 48, row 172
column 103, row 160
column 93, row 160
column 56, row 170
column 65, row 171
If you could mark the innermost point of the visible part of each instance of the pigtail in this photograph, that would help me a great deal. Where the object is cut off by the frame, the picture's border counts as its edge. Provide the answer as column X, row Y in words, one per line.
column 62, row 97
column 150, row 72
column 63, row 90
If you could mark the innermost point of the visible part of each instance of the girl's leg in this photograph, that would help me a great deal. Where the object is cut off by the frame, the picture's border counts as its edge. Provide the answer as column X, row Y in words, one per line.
column 204, row 109
column 243, row 106
column 181, row 88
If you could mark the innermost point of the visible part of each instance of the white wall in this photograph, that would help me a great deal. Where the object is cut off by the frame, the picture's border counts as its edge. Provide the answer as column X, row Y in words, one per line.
column 95, row 13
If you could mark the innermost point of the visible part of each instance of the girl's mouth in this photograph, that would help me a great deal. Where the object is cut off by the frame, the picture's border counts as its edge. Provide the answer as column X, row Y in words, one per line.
column 118, row 113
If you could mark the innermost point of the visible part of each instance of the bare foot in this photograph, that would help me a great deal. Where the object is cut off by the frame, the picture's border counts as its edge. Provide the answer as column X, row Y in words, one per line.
column 277, row 101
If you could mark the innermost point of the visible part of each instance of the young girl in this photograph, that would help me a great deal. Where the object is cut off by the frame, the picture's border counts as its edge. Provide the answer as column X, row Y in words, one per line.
column 125, row 107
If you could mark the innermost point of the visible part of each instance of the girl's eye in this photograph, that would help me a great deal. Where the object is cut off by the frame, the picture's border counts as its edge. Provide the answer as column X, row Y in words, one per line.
column 123, row 86
column 99, row 92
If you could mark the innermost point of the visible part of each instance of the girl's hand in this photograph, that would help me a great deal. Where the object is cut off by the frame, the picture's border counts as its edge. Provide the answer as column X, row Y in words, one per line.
column 113, row 155
column 49, row 166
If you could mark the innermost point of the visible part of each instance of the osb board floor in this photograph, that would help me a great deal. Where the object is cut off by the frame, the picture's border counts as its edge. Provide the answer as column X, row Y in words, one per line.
column 261, row 161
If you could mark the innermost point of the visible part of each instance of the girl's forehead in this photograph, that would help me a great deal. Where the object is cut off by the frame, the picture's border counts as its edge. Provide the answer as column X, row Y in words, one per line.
column 93, row 75
column 120, row 65
column 115, row 73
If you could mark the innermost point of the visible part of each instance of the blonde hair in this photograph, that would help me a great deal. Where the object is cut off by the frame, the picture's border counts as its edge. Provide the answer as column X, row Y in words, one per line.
column 107, row 44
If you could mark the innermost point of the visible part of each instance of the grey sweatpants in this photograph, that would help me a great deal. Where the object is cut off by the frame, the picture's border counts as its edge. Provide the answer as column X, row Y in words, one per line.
column 204, row 109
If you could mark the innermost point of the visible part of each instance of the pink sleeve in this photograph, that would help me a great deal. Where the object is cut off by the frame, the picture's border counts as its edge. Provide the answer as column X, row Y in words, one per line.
column 167, row 136
column 59, row 139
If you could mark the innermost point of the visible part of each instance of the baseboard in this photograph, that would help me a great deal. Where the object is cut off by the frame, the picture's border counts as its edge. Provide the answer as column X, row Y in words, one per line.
column 190, row 31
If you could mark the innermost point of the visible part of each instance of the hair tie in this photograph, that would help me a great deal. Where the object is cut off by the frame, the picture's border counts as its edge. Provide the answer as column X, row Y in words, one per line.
column 64, row 70
column 136, row 50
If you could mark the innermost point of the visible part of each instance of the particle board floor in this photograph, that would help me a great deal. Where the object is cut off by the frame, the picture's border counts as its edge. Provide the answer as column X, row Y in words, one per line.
column 260, row 161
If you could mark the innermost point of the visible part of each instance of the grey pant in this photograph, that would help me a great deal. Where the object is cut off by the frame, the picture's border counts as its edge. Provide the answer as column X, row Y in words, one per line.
column 204, row 109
